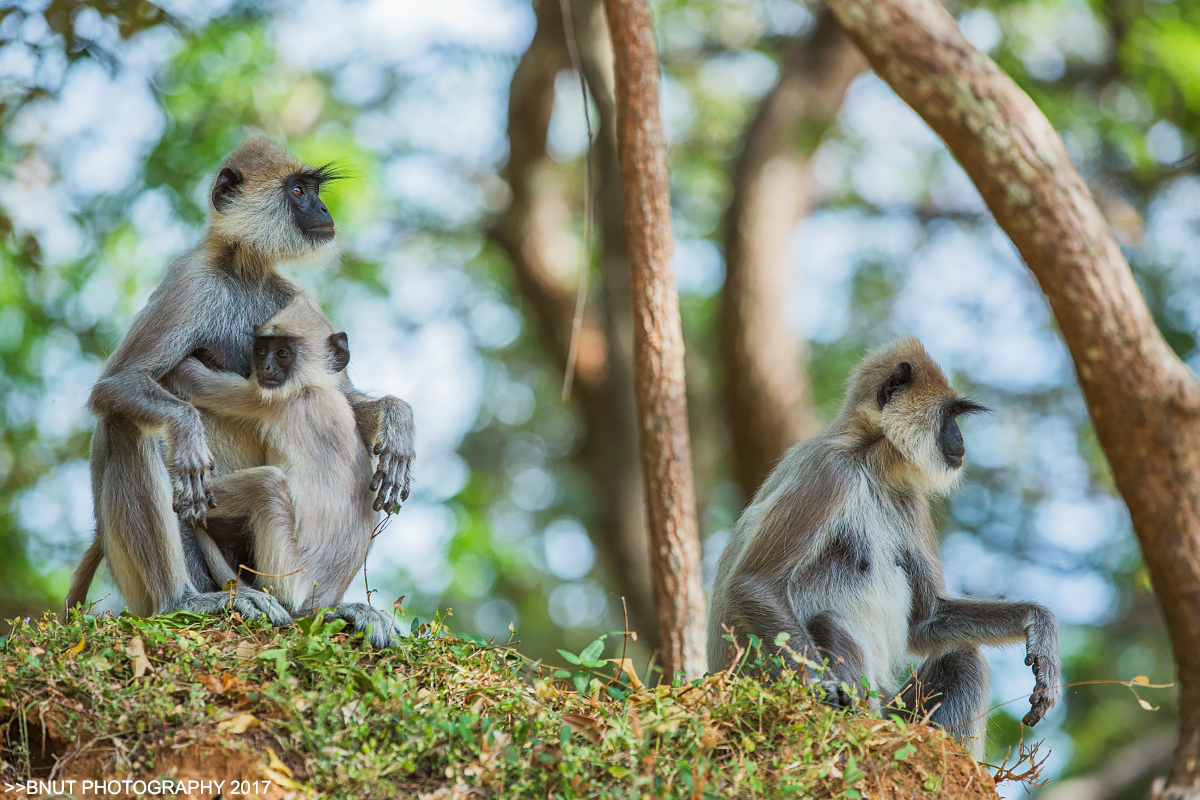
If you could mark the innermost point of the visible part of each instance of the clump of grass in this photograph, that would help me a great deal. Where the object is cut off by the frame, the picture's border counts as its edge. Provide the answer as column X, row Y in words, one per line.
column 443, row 715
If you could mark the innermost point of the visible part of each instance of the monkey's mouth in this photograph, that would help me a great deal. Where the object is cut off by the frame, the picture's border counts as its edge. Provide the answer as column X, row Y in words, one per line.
column 269, row 383
column 322, row 233
column 954, row 461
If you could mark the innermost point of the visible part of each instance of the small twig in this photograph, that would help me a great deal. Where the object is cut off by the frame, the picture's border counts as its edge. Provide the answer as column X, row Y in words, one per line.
column 588, row 210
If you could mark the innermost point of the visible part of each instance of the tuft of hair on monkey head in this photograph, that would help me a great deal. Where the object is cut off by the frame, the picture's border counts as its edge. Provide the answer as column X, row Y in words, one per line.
column 899, row 397
column 267, row 206
column 296, row 349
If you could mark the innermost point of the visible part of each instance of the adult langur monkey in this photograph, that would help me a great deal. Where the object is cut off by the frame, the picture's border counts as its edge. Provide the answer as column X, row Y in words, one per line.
column 151, row 453
column 838, row 550
column 308, row 510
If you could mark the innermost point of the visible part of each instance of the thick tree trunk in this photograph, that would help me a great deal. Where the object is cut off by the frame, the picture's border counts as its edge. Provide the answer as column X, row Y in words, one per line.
column 526, row 231
column 657, row 342
column 769, row 398
column 1144, row 402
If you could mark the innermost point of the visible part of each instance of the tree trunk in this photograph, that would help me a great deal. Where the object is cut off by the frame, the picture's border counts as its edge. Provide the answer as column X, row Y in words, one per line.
column 525, row 231
column 1143, row 401
column 614, row 448
column 657, row 342
column 769, row 399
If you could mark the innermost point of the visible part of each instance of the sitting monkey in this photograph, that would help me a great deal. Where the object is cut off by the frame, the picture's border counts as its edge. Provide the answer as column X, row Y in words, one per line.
column 308, row 515
column 839, row 551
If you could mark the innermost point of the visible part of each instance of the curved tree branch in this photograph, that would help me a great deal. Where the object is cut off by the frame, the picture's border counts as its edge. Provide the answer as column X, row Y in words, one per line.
column 769, row 398
column 1143, row 401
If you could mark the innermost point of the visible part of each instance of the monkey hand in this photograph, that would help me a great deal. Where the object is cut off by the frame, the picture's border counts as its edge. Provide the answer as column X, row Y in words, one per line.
column 191, row 468
column 1041, row 653
column 395, row 444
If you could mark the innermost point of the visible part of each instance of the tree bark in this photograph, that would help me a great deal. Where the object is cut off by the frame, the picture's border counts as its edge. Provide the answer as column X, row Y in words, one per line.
column 614, row 448
column 657, row 342
column 525, row 231
column 1144, row 402
column 769, row 400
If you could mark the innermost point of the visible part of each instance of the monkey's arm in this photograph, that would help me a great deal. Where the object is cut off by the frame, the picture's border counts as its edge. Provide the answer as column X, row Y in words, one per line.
column 221, row 392
column 387, row 429
column 956, row 621
column 162, row 335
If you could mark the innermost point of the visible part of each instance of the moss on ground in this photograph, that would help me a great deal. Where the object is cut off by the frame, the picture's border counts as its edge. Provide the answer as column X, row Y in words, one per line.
column 311, row 711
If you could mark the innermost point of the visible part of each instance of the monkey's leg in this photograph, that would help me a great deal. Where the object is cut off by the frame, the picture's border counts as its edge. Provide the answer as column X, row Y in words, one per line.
column 955, row 685
column 837, row 644
column 260, row 495
column 759, row 606
column 139, row 530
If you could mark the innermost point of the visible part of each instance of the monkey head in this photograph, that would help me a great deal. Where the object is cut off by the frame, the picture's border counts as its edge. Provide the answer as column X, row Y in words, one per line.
column 268, row 204
column 903, row 396
column 297, row 348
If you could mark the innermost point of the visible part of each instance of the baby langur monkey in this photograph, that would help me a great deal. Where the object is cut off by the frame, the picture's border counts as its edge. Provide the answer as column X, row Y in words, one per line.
column 308, row 513
column 838, row 550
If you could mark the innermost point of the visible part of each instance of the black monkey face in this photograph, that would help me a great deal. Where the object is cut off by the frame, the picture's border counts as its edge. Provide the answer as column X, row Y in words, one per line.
column 308, row 210
column 274, row 358
column 950, row 438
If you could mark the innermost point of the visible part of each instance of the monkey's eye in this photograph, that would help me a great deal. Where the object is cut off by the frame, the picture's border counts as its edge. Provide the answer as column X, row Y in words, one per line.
column 260, row 351
column 282, row 354
column 296, row 190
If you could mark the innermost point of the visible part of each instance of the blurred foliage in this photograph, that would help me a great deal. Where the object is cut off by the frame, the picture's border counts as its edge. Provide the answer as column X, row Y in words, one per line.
column 1120, row 80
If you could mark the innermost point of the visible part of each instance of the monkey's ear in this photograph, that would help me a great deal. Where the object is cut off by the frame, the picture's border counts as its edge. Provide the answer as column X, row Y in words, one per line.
column 901, row 376
column 229, row 181
column 339, row 351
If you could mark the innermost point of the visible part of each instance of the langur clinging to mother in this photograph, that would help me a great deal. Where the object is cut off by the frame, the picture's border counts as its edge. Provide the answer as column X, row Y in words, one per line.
column 154, row 454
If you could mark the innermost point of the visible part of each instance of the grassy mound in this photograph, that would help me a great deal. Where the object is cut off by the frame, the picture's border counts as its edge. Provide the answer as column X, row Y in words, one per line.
column 306, row 711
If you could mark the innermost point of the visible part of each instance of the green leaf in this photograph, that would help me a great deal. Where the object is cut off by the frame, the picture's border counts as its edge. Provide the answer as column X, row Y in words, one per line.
column 594, row 664
column 781, row 638
column 618, row 772
column 852, row 774
column 570, row 657
column 593, row 650
column 581, row 681
column 904, row 752
column 414, row 629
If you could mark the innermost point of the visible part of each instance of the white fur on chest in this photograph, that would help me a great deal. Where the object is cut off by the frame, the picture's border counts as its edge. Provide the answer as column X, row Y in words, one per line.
column 877, row 601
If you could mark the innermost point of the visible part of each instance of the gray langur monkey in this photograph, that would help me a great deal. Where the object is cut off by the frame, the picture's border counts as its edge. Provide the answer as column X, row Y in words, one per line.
column 308, row 513
column 154, row 453
column 839, row 551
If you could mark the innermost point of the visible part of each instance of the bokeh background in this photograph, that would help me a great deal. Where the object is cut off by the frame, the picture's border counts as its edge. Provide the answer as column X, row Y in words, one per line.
column 114, row 115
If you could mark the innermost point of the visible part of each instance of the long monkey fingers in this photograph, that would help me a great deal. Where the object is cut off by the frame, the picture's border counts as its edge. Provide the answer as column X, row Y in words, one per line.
column 395, row 445
column 191, row 472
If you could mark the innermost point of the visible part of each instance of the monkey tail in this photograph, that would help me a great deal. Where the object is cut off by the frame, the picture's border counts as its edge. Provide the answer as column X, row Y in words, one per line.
column 82, row 580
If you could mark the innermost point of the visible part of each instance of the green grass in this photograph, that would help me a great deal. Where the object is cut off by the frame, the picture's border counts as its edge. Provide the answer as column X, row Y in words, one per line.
column 311, row 710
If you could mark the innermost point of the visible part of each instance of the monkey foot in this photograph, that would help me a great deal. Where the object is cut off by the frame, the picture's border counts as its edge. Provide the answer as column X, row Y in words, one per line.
column 376, row 626
column 835, row 693
column 250, row 603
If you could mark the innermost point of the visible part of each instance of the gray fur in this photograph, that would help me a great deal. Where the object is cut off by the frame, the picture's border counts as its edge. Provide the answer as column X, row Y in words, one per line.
column 839, row 550
column 375, row 625
column 152, row 450
column 953, row 686
column 308, row 511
